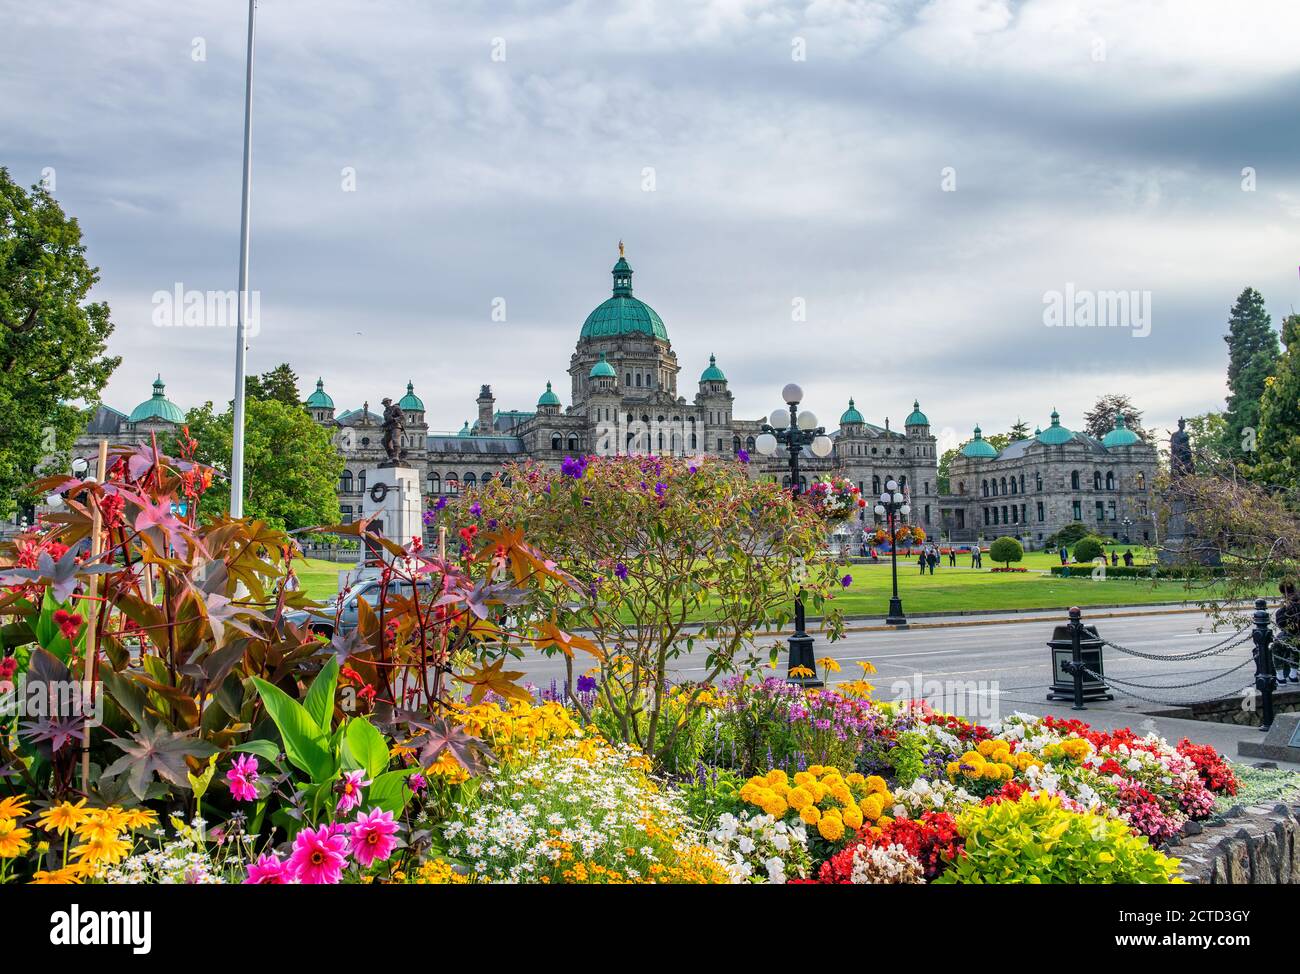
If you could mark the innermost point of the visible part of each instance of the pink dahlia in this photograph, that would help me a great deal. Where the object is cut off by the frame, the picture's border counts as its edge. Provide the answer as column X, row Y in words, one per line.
column 243, row 778
column 350, row 791
column 372, row 837
column 318, row 857
column 269, row 870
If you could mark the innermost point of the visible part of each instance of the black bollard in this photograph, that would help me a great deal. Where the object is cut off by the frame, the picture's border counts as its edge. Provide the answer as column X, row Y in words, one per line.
column 1076, row 654
column 1265, row 678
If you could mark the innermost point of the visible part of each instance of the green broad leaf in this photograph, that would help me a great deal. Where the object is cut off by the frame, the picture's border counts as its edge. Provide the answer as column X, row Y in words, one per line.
column 364, row 747
column 320, row 697
column 389, row 791
column 304, row 744
column 262, row 748
column 199, row 783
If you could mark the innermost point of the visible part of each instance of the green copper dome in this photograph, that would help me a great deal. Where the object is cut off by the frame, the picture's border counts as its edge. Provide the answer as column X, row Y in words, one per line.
column 464, row 430
column 320, row 399
column 603, row 370
column 548, row 398
column 1121, row 435
column 157, row 407
column 851, row 415
column 979, row 448
column 623, row 314
column 1056, row 434
column 712, row 373
column 411, row 402
column 917, row 418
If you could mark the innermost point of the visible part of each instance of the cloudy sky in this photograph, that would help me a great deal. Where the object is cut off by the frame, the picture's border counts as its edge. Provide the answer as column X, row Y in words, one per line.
column 874, row 198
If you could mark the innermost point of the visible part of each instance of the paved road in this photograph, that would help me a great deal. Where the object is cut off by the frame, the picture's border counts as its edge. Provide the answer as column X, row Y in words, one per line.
column 1008, row 661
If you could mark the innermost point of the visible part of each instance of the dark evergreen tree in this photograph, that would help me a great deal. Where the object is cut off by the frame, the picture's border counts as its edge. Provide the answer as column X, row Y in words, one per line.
column 1252, row 356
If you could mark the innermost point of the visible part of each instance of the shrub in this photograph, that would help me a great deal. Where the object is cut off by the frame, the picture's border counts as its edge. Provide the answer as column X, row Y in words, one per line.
column 1068, row 535
column 1006, row 550
column 1035, row 840
column 1088, row 549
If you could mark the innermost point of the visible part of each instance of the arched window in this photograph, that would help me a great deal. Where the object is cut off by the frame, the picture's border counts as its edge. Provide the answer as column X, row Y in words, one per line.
column 470, row 481
column 1110, row 479
column 346, row 511
column 984, row 488
column 1141, row 480
column 453, row 485
column 735, row 444
column 557, row 442
column 694, row 442
column 361, row 481
column 1022, row 483
column 638, row 379
column 961, row 487
column 435, row 484
column 1013, row 484
column 345, row 482
column 1096, row 480
column 1038, row 482
column 1074, row 480
column 749, row 444
column 628, row 383
column 875, row 486
column 485, row 478
column 1003, row 486
column 573, row 443
column 505, row 479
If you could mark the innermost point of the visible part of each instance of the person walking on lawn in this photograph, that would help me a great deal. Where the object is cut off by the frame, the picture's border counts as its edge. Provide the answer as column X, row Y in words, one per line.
column 952, row 556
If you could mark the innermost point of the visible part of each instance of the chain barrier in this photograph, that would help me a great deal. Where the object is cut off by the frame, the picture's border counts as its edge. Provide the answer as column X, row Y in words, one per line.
column 1119, row 687
column 1218, row 648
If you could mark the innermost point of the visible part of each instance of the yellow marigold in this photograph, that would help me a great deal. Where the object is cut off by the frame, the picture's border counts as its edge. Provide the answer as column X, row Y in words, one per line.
column 811, row 815
column 953, row 768
column 840, row 792
column 803, row 778
column 438, row 872
column 991, row 771
column 776, row 777
column 13, row 839
column 972, row 757
column 799, row 799
column 1076, row 748
column 816, row 770
column 872, row 808
column 854, row 779
column 876, row 785
column 775, row 806
column 831, row 828
column 853, row 817
column 986, row 747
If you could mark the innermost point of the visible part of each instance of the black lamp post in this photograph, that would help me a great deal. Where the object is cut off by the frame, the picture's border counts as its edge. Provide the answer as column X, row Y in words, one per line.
column 892, row 502
column 801, row 432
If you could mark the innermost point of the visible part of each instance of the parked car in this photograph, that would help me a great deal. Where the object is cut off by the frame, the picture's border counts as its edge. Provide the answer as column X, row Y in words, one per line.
column 323, row 620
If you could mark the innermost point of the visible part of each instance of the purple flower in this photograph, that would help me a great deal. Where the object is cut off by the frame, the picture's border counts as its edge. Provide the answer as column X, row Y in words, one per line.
column 586, row 684
column 846, row 581
column 660, row 488
column 492, row 524
column 574, row 468
column 475, row 509
column 743, row 456
column 620, row 570
column 442, row 502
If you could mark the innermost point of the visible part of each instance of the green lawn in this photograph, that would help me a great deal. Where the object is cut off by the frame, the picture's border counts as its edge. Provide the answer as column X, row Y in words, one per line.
column 948, row 590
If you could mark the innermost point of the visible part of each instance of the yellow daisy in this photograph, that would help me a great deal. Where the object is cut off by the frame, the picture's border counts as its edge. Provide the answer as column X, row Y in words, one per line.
column 13, row 807
column 63, row 818
column 13, row 839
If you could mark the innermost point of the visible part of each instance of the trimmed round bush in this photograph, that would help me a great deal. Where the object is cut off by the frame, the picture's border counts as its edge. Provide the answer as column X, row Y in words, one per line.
column 1068, row 535
column 1088, row 549
column 1006, row 550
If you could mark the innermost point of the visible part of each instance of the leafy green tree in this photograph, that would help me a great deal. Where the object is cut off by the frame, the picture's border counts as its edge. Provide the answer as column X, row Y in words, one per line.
column 1068, row 535
column 280, row 384
column 291, row 466
column 1006, row 550
column 1100, row 420
column 51, row 343
column 1252, row 355
column 1279, row 415
column 1209, row 433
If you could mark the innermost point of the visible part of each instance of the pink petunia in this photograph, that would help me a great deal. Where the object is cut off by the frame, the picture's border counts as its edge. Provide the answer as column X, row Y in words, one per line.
column 318, row 857
column 269, row 870
column 243, row 778
column 350, row 791
column 372, row 837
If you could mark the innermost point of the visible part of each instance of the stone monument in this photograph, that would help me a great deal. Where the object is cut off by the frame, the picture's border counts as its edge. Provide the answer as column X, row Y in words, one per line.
column 393, row 500
column 1182, row 545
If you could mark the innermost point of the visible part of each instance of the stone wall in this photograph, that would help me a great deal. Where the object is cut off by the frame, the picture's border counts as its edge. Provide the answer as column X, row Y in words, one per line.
column 1250, row 844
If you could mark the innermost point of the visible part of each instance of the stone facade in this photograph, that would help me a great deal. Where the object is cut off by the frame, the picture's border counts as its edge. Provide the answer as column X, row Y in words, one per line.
column 1036, row 486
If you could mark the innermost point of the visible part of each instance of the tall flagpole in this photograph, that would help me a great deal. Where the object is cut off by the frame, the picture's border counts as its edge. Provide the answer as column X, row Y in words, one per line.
column 241, row 349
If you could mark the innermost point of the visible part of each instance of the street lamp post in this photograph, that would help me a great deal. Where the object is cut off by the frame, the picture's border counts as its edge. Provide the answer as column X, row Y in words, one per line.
column 801, row 432
column 893, row 502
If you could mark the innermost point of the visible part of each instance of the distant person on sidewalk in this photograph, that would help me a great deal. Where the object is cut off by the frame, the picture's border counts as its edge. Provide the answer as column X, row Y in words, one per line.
column 1065, row 555
column 1128, row 559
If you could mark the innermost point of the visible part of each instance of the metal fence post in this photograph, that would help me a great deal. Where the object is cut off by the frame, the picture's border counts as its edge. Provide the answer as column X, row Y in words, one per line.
column 1265, row 678
column 1076, row 655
